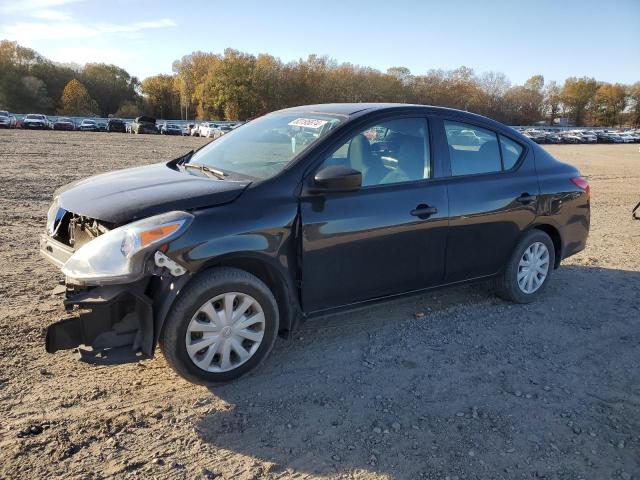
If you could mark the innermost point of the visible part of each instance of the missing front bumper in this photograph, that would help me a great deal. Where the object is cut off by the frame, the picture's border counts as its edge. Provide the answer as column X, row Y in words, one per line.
column 119, row 318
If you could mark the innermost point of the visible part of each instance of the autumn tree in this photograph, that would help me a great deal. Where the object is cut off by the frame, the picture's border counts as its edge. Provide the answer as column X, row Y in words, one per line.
column 609, row 102
column 76, row 101
column 109, row 85
column 577, row 96
column 163, row 99
column 634, row 96
column 552, row 101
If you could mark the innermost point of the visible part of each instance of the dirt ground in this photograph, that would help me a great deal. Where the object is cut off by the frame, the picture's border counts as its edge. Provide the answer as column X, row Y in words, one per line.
column 477, row 388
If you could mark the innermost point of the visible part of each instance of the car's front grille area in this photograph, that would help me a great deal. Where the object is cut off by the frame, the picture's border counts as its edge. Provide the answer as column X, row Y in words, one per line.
column 77, row 230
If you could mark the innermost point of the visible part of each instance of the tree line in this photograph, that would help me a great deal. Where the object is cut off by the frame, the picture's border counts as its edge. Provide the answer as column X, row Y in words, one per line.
column 239, row 86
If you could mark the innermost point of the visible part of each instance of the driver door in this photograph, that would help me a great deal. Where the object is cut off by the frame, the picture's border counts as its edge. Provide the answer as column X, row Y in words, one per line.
column 384, row 239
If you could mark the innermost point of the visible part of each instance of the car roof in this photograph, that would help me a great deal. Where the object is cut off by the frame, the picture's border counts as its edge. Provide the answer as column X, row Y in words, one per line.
column 352, row 110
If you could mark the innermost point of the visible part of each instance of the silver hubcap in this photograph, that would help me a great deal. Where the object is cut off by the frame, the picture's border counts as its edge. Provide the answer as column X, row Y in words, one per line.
column 533, row 267
column 225, row 332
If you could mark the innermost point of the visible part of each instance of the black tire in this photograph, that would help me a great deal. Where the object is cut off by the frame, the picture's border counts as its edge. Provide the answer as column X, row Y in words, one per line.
column 507, row 283
column 207, row 285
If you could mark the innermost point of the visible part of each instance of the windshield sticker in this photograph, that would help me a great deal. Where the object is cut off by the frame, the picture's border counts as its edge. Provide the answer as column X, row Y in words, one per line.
column 308, row 122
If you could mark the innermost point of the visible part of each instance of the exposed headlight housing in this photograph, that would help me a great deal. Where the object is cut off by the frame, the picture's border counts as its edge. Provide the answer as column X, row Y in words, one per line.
column 119, row 255
column 53, row 214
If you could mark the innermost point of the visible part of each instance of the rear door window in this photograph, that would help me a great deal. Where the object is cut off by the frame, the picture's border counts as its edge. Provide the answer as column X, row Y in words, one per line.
column 472, row 150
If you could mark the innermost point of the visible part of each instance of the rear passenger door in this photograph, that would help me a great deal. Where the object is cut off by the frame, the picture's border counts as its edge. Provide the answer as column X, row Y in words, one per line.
column 493, row 191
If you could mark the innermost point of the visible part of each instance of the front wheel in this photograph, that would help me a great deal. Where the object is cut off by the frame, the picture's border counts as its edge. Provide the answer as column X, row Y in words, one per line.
column 223, row 325
column 529, row 268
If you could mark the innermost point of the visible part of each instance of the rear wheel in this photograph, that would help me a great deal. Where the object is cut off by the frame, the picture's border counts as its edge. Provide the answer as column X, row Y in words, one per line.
column 222, row 326
column 529, row 268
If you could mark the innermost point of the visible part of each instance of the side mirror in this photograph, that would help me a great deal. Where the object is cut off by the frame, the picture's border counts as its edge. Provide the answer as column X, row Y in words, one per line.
column 336, row 179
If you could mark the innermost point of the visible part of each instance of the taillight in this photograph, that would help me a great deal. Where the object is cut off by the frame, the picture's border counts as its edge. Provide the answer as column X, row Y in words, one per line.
column 582, row 183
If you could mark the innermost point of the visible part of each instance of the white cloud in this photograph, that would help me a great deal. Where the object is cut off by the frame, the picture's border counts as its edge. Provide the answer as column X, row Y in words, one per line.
column 46, row 14
column 31, row 6
column 49, row 28
column 32, row 31
column 85, row 54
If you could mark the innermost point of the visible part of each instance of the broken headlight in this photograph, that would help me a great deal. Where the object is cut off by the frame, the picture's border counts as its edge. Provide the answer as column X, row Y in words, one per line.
column 119, row 255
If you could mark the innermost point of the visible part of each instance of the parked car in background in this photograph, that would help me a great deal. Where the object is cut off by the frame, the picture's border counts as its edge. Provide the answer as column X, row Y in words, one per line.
column 214, row 253
column 116, row 125
column 7, row 120
column 628, row 137
column 587, row 137
column 553, row 138
column 221, row 130
column 144, row 124
column 171, row 129
column 64, row 123
column 208, row 130
column 35, row 121
column 88, row 125
column 570, row 137
column 195, row 130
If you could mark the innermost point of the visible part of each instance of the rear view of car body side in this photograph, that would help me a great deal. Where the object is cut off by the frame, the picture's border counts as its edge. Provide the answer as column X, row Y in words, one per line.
column 215, row 253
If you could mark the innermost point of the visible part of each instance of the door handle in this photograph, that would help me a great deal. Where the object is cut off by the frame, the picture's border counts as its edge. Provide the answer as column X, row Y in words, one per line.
column 525, row 198
column 423, row 211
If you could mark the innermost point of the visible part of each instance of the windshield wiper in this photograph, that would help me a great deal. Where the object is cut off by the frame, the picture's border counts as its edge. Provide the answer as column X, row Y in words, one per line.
column 219, row 174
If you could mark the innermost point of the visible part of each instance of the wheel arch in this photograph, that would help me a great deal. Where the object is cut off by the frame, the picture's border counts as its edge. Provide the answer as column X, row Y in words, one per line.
column 282, row 287
column 556, row 238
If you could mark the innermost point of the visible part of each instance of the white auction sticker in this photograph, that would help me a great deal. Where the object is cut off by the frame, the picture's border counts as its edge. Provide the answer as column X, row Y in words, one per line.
column 308, row 122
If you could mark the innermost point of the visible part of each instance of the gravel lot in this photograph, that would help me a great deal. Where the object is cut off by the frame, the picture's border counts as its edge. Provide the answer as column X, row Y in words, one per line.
column 476, row 388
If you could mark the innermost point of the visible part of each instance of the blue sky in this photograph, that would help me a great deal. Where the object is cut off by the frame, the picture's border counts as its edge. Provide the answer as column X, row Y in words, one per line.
column 554, row 38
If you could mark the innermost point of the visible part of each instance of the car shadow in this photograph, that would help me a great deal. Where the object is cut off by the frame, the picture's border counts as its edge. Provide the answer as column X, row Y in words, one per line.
column 452, row 382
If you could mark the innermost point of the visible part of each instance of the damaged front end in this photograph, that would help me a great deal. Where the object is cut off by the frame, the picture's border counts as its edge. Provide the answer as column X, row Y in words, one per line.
column 113, row 317
column 120, row 280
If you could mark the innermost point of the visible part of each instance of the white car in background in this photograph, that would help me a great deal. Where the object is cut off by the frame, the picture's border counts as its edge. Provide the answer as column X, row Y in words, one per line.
column 35, row 121
column 7, row 120
column 207, row 129
column 589, row 137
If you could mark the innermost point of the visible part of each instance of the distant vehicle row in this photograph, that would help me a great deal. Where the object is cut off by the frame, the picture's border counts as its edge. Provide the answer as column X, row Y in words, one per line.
column 583, row 136
column 140, row 125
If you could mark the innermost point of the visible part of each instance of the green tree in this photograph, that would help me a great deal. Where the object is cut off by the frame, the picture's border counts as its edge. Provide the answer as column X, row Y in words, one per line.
column 634, row 95
column 535, row 83
column 524, row 105
column 552, row 101
column 130, row 109
column 163, row 99
column 75, row 100
column 609, row 102
column 109, row 85
column 577, row 96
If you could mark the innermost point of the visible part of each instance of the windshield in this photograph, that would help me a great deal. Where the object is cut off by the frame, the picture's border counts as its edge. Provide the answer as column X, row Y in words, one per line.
column 4, row 114
column 264, row 146
column 35, row 117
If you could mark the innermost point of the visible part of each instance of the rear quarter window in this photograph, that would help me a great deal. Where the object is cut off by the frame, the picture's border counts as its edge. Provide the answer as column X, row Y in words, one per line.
column 511, row 152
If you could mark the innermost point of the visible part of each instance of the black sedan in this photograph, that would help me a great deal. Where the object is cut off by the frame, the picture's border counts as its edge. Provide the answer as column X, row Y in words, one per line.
column 64, row 123
column 171, row 129
column 116, row 125
column 302, row 212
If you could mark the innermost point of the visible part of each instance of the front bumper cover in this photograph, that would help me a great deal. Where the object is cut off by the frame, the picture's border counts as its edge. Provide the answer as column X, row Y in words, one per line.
column 118, row 319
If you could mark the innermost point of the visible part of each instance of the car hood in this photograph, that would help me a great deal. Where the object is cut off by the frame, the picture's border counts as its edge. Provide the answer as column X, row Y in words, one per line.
column 125, row 195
